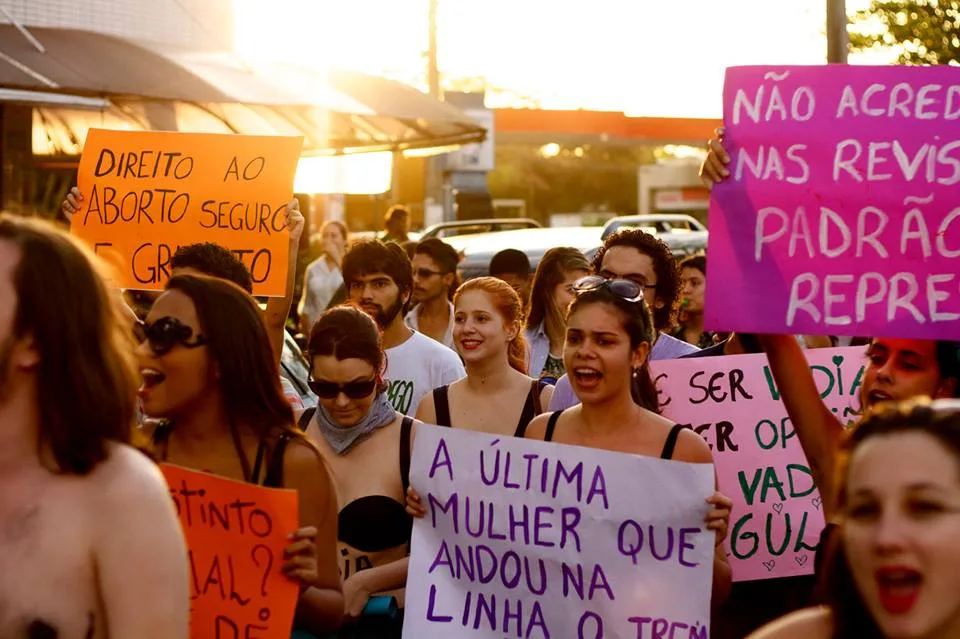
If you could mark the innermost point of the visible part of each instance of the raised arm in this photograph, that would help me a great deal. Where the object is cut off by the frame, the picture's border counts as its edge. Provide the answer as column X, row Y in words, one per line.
column 140, row 554
column 320, row 609
column 818, row 430
column 278, row 308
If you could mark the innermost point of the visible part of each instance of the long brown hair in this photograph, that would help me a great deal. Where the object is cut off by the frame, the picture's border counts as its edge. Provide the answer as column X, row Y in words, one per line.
column 508, row 305
column 238, row 345
column 85, row 344
column 940, row 419
column 551, row 271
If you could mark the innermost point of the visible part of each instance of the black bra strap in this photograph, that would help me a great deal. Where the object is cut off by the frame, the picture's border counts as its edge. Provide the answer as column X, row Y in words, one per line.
column 159, row 439
column 441, row 406
column 261, row 451
column 406, row 426
column 305, row 417
column 551, row 425
column 274, row 476
column 671, row 442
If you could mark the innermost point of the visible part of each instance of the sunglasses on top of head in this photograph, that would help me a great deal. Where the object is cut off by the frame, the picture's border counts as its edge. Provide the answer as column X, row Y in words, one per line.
column 325, row 389
column 165, row 334
column 627, row 290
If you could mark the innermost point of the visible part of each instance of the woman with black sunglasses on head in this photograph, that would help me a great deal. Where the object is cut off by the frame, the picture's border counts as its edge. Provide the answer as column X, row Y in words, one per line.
column 609, row 333
column 366, row 444
column 209, row 374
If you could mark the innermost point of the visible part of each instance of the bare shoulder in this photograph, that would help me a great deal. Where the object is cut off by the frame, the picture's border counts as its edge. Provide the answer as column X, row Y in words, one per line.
column 691, row 447
column 537, row 428
column 427, row 410
column 301, row 458
column 127, row 475
column 810, row 623
column 546, row 394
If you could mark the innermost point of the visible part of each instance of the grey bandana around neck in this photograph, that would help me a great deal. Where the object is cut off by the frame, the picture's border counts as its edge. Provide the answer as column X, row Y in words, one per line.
column 381, row 413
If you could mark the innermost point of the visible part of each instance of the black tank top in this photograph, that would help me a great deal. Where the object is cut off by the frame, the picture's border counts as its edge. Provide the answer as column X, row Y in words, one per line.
column 668, row 446
column 273, row 478
column 531, row 408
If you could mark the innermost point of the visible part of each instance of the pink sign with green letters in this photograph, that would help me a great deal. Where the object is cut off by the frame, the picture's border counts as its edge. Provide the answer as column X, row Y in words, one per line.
column 734, row 404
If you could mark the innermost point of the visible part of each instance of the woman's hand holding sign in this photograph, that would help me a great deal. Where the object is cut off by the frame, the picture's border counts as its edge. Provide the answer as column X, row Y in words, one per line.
column 301, row 557
column 718, row 518
column 414, row 505
column 71, row 204
column 294, row 221
column 714, row 168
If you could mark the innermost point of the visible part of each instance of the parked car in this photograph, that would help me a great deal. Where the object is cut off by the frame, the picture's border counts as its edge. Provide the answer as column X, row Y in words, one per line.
column 473, row 227
column 684, row 234
column 479, row 249
column 358, row 236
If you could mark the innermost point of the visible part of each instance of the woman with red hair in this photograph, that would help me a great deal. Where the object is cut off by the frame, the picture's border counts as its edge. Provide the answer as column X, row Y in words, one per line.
column 496, row 396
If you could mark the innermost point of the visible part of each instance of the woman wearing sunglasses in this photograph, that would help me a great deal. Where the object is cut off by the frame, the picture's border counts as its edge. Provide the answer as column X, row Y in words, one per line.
column 609, row 333
column 496, row 396
column 209, row 374
column 366, row 444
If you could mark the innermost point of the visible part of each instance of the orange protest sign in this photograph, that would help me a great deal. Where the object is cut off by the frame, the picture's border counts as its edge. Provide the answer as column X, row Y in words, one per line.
column 236, row 534
column 148, row 192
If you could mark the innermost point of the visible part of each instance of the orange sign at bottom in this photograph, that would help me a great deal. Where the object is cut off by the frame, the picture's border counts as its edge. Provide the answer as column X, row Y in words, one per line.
column 236, row 534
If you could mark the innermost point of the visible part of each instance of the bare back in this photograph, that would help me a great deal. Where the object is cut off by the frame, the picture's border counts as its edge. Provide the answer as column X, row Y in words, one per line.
column 92, row 557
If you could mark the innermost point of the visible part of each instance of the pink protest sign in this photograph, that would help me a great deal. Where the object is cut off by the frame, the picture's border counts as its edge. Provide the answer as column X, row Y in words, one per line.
column 841, row 213
column 734, row 404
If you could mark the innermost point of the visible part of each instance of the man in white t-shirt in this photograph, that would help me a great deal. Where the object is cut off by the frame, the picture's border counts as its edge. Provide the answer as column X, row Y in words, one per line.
column 434, row 275
column 379, row 279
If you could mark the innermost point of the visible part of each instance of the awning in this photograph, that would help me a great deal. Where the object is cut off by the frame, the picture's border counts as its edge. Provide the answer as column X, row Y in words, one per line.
column 152, row 87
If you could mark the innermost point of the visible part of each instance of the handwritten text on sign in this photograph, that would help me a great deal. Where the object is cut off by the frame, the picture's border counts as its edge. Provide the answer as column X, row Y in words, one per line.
column 236, row 534
column 840, row 216
column 529, row 539
column 734, row 404
column 146, row 193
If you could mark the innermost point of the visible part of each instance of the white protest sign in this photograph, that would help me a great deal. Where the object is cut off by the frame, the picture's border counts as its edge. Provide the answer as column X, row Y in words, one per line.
column 531, row 539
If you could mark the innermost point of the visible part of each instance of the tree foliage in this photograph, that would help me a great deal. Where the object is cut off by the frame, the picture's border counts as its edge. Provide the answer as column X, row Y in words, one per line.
column 590, row 177
column 926, row 31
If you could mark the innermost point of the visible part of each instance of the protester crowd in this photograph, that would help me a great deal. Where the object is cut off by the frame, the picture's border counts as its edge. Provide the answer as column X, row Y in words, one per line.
column 91, row 545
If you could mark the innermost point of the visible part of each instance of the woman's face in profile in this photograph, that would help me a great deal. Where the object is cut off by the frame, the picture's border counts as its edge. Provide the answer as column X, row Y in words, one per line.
column 901, row 531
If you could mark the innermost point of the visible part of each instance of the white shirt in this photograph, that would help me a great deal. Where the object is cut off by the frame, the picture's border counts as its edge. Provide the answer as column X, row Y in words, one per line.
column 320, row 283
column 416, row 367
column 413, row 321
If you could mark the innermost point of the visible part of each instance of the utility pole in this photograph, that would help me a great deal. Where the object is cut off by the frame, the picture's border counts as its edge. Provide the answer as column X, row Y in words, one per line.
column 838, row 43
column 434, row 183
column 433, row 73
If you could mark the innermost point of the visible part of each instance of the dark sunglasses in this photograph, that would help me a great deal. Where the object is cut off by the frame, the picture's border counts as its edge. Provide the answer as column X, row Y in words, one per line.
column 330, row 390
column 165, row 334
column 627, row 290
column 425, row 273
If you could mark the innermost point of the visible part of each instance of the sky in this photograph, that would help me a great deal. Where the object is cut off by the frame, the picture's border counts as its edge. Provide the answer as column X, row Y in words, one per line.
column 645, row 58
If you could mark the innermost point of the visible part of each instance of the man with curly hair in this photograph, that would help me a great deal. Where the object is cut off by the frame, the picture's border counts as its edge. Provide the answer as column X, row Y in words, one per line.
column 632, row 254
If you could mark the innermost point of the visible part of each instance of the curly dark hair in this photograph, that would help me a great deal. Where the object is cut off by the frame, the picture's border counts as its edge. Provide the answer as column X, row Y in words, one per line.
column 213, row 260
column 664, row 266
